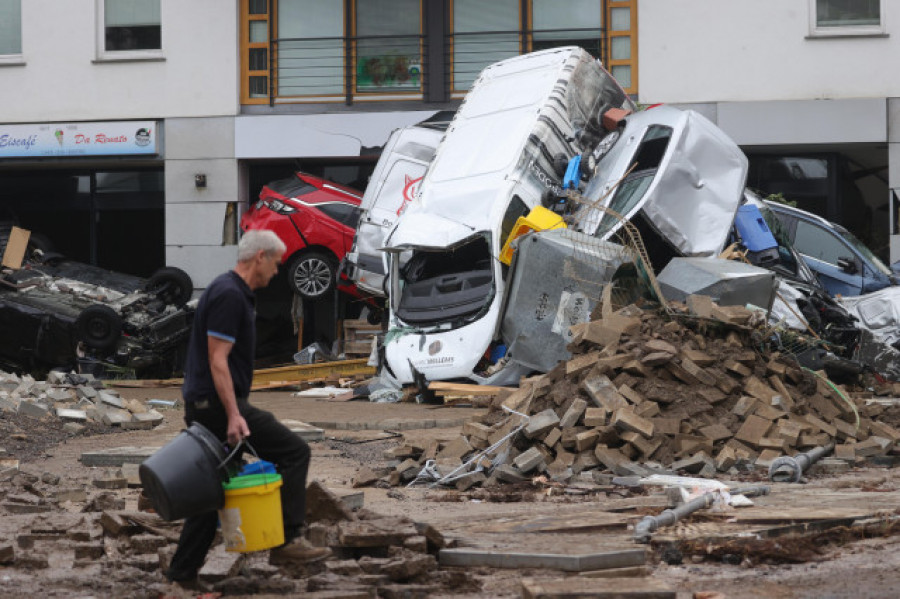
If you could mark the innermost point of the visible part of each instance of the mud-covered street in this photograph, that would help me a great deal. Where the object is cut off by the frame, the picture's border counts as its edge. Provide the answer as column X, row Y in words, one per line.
column 827, row 557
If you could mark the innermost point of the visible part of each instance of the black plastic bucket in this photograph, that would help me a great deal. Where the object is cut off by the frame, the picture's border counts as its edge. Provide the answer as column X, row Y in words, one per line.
column 185, row 477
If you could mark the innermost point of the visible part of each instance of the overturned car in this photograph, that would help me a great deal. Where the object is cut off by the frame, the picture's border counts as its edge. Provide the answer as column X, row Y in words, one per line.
column 57, row 313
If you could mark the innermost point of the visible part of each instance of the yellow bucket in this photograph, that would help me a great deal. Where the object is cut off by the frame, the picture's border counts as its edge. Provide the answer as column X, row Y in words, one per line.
column 251, row 518
column 539, row 219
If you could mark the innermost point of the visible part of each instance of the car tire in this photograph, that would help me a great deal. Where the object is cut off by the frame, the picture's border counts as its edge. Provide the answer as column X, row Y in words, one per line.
column 99, row 327
column 172, row 285
column 312, row 275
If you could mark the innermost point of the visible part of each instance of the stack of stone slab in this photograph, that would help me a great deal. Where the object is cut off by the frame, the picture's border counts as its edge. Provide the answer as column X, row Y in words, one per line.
column 75, row 399
column 648, row 391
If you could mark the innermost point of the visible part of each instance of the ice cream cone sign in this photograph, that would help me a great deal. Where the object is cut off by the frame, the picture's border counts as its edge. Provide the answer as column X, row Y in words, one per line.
column 59, row 136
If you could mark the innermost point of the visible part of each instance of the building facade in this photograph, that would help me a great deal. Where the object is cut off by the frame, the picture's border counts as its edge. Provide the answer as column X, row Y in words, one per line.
column 135, row 132
column 809, row 89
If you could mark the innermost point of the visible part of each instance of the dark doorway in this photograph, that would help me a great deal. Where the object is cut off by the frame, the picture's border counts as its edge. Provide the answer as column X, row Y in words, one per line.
column 114, row 219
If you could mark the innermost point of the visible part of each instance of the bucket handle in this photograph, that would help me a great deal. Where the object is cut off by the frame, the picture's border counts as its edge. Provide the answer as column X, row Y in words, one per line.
column 253, row 451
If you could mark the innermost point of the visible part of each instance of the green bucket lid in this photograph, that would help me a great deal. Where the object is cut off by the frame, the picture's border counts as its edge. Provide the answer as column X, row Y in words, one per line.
column 251, row 480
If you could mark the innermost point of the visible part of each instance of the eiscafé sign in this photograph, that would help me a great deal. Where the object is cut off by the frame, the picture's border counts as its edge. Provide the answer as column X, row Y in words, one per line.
column 113, row 138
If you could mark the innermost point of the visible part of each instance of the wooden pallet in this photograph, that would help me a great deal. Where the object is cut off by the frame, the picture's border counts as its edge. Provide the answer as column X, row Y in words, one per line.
column 358, row 335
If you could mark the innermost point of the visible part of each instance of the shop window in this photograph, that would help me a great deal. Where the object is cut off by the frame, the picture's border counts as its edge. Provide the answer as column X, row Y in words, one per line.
column 10, row 30
column 129, row 29
column 845, row 17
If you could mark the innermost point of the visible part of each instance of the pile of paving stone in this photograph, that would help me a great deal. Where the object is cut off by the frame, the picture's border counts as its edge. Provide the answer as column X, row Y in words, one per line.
column 372, row 554
column 693, row 390
column 75, row 399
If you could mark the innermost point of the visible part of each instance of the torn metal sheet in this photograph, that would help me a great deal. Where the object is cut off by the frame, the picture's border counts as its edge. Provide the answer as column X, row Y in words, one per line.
column 785, row 309
column 879, row 312
column 557, row 279
column 879, row 356
column 683, row 172
column 727, row 282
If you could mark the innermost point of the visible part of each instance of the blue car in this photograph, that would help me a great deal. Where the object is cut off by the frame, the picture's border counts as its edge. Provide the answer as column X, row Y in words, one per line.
column 843, row 264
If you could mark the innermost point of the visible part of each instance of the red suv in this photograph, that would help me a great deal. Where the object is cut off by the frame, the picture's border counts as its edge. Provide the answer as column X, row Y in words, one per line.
column 317, row 220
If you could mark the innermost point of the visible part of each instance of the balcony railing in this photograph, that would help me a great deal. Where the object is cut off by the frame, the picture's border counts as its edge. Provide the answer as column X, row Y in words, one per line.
column 361, row 68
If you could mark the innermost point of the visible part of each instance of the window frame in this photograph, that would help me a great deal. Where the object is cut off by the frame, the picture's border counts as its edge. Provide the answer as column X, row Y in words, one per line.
column 815, row 31
column 104, row 55
column 17, row 58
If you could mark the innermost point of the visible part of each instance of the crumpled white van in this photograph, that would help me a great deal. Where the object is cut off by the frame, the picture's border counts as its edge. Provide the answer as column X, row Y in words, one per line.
column 394, row 183
column 500, row 157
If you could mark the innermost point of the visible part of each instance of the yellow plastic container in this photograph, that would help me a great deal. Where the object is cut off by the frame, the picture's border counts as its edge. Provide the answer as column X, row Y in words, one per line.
column 539, row 219
column 251, row 517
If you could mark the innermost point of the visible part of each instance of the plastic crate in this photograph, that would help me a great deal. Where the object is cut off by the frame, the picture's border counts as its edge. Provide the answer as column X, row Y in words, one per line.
column 539, row 219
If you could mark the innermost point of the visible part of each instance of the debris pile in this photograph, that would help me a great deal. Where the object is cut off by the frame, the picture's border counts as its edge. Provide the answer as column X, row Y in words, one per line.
column 75, row 399
column 372, row 554
column 650, row 392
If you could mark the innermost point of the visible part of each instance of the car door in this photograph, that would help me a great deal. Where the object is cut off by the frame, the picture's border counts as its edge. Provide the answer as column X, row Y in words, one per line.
column 823, row 250
column 341, row 224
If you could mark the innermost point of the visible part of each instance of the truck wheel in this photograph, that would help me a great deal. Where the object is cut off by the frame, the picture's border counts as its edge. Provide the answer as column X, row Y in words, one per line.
column 99, row 326
column 172, row 285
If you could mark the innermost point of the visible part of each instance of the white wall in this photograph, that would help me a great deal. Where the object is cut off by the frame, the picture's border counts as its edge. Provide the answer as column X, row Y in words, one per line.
column 62, row 81
column 748, row 50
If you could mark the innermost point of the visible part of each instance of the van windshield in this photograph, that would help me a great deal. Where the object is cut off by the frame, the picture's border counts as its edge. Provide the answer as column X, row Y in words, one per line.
column 451, row 286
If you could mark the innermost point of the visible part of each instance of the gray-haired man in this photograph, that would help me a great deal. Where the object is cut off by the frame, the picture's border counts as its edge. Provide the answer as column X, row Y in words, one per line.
column 217, row 377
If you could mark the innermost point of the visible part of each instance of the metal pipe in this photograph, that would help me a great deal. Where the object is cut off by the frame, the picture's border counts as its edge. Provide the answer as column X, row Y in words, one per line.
column 787, row 469
column 649, row 524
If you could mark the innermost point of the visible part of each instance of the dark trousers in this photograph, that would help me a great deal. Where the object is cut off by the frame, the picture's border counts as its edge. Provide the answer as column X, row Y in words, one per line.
column 274, row 443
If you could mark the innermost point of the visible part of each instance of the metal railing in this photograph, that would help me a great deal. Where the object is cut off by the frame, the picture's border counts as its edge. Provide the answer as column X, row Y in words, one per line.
column 351, row 68
column 376, row 67
column 467, row 54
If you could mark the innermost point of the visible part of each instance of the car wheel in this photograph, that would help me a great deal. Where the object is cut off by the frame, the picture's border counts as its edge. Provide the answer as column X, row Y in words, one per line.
column 312, row 274
column 172, row 285
column 99, row 326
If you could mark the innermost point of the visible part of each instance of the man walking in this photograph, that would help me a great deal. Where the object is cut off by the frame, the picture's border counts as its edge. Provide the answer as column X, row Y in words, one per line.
column 217, row 377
